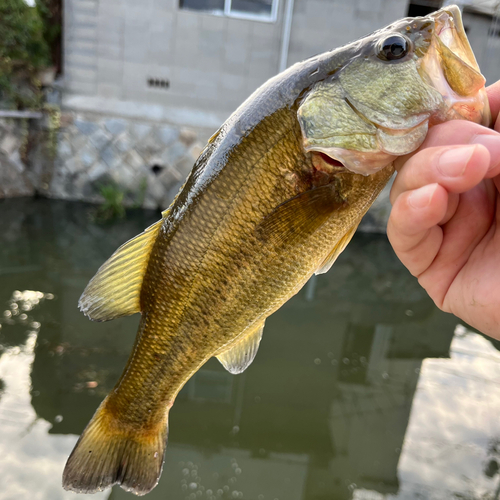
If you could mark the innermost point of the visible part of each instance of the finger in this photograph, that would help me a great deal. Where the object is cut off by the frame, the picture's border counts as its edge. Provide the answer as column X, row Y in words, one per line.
column 493, row 92
column 453, row 200
column 460, row 132
column 461, row 235
column 456, row 168
column 412, row 227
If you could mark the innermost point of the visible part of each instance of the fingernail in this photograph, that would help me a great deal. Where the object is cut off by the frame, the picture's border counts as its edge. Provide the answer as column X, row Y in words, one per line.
column 492, row 144
column 453, row 162
column 420, row 198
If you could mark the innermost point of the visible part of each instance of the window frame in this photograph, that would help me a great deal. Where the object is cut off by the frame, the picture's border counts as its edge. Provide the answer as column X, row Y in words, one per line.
column 226, row 12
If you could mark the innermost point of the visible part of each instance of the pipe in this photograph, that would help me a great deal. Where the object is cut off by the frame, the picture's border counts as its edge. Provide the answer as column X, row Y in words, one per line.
column 285, row 38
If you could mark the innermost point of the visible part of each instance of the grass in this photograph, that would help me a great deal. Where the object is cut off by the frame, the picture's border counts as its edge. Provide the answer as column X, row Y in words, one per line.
column 113, row 207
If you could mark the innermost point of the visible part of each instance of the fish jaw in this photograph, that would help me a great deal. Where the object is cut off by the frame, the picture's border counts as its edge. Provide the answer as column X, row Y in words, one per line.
column 451, row 68
column 451, row 31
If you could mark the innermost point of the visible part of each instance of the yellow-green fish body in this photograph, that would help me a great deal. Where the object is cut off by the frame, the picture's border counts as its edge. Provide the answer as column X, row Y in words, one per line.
column 273, row 199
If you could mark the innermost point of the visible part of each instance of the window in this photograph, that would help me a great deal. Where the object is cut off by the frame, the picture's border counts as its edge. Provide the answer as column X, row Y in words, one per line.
column 258, row 10
column 423, row 7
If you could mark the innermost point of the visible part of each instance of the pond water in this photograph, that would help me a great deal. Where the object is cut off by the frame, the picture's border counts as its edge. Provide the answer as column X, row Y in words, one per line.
column 361, row 389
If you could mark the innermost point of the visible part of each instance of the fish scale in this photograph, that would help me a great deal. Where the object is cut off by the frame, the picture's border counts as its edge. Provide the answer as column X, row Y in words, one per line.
column 202, row 321
column 171, row 252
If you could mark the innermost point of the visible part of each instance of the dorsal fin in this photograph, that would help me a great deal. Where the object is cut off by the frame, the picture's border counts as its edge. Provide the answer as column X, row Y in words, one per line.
column 115, row 289
column 240, row 356
column 337, row 250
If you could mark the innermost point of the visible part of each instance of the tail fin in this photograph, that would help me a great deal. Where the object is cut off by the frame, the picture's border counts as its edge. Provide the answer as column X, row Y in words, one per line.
column 108, row 454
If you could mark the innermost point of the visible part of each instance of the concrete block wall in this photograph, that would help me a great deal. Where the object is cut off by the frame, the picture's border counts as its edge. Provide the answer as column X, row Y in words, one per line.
column 321, row 25
column 80, row 46
column 212, row 63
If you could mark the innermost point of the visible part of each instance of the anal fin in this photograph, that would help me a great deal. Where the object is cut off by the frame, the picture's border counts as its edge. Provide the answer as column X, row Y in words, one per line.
column 337, row 250
column 240, row 355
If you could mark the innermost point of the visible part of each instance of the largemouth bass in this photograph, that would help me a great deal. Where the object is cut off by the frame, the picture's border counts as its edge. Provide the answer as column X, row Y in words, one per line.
column 274, row 197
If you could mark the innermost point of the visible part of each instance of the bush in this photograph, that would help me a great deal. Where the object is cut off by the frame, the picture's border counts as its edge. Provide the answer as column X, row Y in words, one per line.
column 50, row 12
column 23, row 52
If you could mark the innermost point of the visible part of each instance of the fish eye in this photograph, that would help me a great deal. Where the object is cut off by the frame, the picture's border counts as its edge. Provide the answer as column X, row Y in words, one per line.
column 393, row 47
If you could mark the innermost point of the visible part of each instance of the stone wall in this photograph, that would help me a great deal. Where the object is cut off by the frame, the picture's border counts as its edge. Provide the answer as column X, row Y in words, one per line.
column 147, row 161
column 14, row 175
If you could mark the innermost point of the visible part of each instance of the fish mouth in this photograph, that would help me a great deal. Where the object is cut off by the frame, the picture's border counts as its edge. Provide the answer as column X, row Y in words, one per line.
column 451, row 68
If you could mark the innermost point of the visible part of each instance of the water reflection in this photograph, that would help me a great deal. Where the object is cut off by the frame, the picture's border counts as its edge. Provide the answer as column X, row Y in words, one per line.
column 30, row 462
column 361, row 389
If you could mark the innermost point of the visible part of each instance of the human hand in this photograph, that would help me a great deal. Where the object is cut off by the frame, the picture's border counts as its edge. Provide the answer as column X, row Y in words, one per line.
column 445, row 221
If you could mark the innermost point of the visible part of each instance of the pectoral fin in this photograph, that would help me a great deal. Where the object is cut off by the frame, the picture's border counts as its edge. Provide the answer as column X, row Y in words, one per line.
column 240, row 356
column 115, row 289
column 301, row 215
column 338, row 249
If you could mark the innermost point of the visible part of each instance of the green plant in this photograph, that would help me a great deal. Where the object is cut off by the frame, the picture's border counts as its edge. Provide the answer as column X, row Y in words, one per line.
column 53, row 112
column 23, row 52
column 112, row 208
column 50, row 12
